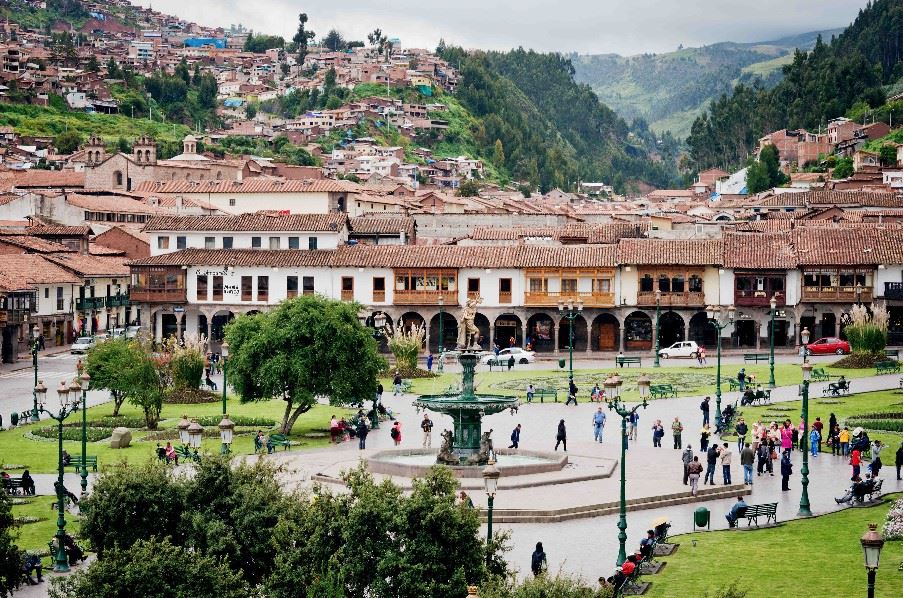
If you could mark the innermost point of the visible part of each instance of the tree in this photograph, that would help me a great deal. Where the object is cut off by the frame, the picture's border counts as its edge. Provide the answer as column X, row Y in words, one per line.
column 93, row 66
column 302, row 37
column 250, row 110
column 757, row 178
column 110, row 366
column 67, row 142
column 113, row 71
column 10, row 557
column 888, row 155
column 405, row 344
column 334, row 41
column 378, row 39
column 469, row 188
column 182, row 71
column 772, row 160
column 498, row 154
column 304, row 348
column 843, row 169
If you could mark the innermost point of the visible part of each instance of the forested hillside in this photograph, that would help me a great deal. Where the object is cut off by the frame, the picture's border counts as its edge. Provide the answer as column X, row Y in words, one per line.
column 843, row 75
column 553, row 131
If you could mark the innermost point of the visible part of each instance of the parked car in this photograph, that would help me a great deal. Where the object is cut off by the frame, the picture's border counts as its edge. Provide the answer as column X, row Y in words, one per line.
column 827, row 345
column 117, row 332
column 680, row 349
column 451, row 355
column 520, row 356
column 82, row 344
column 132, row 331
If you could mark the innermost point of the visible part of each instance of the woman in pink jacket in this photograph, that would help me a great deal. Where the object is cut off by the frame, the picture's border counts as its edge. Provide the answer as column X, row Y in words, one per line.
column 787, row 438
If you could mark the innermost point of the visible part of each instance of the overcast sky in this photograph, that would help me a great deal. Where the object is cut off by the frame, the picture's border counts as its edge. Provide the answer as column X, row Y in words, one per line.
column 585, row 26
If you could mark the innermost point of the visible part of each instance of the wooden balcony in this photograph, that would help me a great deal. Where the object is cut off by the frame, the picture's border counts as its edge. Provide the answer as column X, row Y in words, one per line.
column 425, row 297
column 836, row 295
column 685, row 299
column 756, row 299
column 153, row 295
column 504, row 297
column 347, row 295
column 551, row 299
column 893, row 290
column 379, row 296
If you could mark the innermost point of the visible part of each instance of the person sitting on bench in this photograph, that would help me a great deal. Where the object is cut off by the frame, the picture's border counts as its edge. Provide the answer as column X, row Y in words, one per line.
column 32, row 562
column 209, row 382
column 61, row 489
column 27, row 484
column 858, row 490
column 728, row 413
column 647, row 544
column 736, row 512
column 748, row 397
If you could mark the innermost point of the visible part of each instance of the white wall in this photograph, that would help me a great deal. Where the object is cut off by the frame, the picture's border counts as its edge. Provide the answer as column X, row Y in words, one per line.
column 889, row 273
column 296, row 203
column 243, row 240
column 47, row 306
column 489, row 285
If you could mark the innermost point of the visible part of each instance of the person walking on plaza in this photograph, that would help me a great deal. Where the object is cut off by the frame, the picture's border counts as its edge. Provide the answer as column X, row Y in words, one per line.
column 676, row 429
column 562, row 436
column 701, row 355
column 818, row 425
column 726, row 464
column 510, row 363
column 844, row 437
column 530, row 392
column 598, row 425
column 747, row 457
column 814, row 440
column 787, row 438
column 899, row 460
column 704, row 435
column 706, row 409
column 572, row 393
column 361, row 432
column 515, row 437
column 741, row 379
column 834, row 439
column 429, row 362
column 762, row 457
column 742, row 430
column 711, row 458
column 855, row 462
column 427, row 426
column 538, row 561
column 395, row 432
column 876, row 465
column 695, row 469
column 634, row 425
column 396, row 381
column 687, row 458
column 658, row 432
column 786, row 472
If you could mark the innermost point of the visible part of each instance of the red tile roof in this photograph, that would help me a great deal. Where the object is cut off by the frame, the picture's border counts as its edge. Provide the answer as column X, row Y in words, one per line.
column 759, row 251
column 30, row 244
column 840, row 246
column 260, row 221
column 250, row 185
column 696, row 252
column 91, row 265
column 24, row 271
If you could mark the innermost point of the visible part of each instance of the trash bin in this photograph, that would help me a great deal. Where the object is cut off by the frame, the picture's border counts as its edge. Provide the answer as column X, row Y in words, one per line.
column 702, row 518
column 14, row 419
column 561, row 363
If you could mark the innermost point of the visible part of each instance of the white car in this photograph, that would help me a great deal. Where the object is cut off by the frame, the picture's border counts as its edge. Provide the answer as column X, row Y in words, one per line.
column 681, row 349
column 132, row 331
column 520, row 356
column 82, row 344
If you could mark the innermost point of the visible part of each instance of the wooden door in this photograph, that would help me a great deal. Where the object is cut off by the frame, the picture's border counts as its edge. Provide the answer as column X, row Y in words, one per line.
column 608, row 336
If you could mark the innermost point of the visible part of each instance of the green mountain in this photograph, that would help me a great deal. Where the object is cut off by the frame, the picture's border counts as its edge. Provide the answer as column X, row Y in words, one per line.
column 670, row 90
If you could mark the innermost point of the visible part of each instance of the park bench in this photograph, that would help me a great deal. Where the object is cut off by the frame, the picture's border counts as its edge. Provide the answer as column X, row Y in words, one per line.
column 760, row 396
column 76, row 462
column 542, row 393
column 835, row 389
column 875, row 494
column 755, row 357
column 887, row 367
column 499, row 362
column 733, row 383
column 631, row 585
column 628, row 361
column 767, row 510
column 659, row 391
column 820, row 375
column 895, row 353
column 406, row 386
column 185, row 453
column 280, row 440
column 12, row 485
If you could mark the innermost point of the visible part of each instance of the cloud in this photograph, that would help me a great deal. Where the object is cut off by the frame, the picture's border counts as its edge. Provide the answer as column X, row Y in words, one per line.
column 585, row 26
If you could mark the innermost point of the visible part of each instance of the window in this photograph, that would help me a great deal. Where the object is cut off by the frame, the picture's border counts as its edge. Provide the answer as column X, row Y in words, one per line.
column 227, row 242
column 291, row 286
column 504, row 290
column 217, row 288
column 209, row 242
column 601, row 285
column 263, row 288
column 538, row 285
column 202, row 287
column 181, row 242
column 294, row 242
column 646, row 285
column 307, row 285
column 664, row 283
column 347, row 288
column 677, row 284
column 776, row 285
column 232, row 201
column 59, row 299
column 311, row 243
column 274, row 242
column 569, row 286
column 695, row 284
column 246, row 292
column 473, row 286
column 162, row 242
column 46, row 292
column 379, row 288
column 256, row 242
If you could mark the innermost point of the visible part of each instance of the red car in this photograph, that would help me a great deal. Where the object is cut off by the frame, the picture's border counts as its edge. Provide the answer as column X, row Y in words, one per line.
column 829, row 344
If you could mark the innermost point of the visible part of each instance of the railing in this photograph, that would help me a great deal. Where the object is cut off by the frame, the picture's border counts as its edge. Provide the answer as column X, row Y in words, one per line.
column 425, row 297
column 893, row 290
column 152, row 295
column 379, row 296
column 647, row 298
column 504, row 297
column 86, row 303
column 347, row 295
column 756, row 298
column 551, row 298
column 838, row 294
column 117, row 300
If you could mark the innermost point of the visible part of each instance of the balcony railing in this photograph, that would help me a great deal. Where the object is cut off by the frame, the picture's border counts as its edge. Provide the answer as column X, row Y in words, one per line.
column 837, row 294
column 117, row 300
column 425, row 297
column 551, row 298
column 347, row 295
column 152, row 295
column 86, row 303
column 756, row 298
column 893, row 290
column 687, row 298
column 379, row 296
column 504, row 296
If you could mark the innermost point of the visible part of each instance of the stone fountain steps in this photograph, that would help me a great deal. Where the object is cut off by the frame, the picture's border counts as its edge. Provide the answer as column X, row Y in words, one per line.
column 609, row 508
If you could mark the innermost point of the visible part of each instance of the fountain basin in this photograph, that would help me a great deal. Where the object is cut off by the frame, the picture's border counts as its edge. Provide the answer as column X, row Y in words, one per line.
column 413, row 463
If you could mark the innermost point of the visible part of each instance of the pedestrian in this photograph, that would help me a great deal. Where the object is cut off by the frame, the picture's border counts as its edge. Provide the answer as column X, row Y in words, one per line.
column 634, row 425
column 747, row 457
column 658, row 432
column 772, row 456
column 819, row 426
column 844, row 438
column 598, row 425
column 711, row 458
column 762, row 456
column 620, row 358
column 510, row 363
column 676, row 429
column 787, row 438
column 741, row 379
column 786, row 472
column 395, row 433
column 427, row 426
column 361, row 431
column 515, row 437
column 530, row 392
column 877, row 447
column 742, row 430
column 701, row 355
column 334, row 432
column 429, row 362
column 562, row 436
column 832, row 421
column 726, row 464
column 687, row 458
column 802, row 434
column 704, row 435
column 694, row 469
column 596, row 393
column 464, row 500
column 538, row 561
column 572, row 393
column 834, row 439
column 706, row 409
column 379, row 391
column 814, row 440
column 397, row 382
column 855, row 462
column 899, row 460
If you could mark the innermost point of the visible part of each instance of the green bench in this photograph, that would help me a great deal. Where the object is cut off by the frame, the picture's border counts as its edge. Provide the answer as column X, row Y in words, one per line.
column 755, row 357
column 76, row 462
column 733, row 383
column 895, row 353
column 767, row 510
column 628, row 361
column 820, row 375
column 887, row 367
column 542, row 393
column 660, row 391
column 763, row 396
column 501, row 363
column 185, row 453
column 280, row 440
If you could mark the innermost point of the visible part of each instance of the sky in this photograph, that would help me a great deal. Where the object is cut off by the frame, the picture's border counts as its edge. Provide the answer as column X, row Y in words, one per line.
column 585, row 26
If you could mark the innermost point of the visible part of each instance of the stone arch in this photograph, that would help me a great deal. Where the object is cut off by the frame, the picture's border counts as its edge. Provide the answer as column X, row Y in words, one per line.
column 482, row 323
column 701, row 331
column 505, row 327
column 605, row 333
column 638, row 331
column 541, row 333
column 218, row 322
column 580, row 334
column 671, row 329
column 410, row 319
column 449, row 332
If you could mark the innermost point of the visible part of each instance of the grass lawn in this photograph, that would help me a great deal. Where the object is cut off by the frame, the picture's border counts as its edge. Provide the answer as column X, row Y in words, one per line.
column 34, row 536
column 811, row 557
column 40, row 455
column 689, row 381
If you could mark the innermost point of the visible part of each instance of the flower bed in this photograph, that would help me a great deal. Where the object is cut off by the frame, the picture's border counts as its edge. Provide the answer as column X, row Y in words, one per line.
column 239, row 420
column 893, row 526
column 73, row 433
column 190, row 396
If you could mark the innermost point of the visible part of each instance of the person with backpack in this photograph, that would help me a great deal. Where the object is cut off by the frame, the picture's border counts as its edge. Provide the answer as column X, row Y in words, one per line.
column 658, row 432
column 687, row 458
column 562, row 436
column 395, row 433
column 515, row 437
column 706, row 409
column 572, row 393
column 361, row 432
column 538, row 561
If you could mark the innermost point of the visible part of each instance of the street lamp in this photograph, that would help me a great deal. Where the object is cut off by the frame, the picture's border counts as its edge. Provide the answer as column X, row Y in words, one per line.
column 379, row 331
column 643, row 383
column 34, row 364
column 441, row 367
column 622, row 410
column 658, row 311
column 61, row 562
column 491, row 475
column 224, row 351
column 85, row 383
column 714, row 314
column 195, row 433
column 570, row 311
column 872, row 543
column 226, row 428
column 805, row 510
column 804, row 338
column 183, row 430
column 774, row 306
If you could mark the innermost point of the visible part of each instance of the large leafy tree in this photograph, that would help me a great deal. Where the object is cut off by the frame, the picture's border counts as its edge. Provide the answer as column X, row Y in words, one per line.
column 111, row 365
column 334, row 41
column 302, row 37
column 10, row 557
column 306, row 347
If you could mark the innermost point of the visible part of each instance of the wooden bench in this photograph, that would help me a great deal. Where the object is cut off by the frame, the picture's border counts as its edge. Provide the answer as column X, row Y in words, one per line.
column 90, row 460
column 659, row 391
column 895, row 353
column 767, row 510
column 820, row 375
column 12, row 485
column 628, row 361
column 755, row 357
column 887, row 367
column 280, row 440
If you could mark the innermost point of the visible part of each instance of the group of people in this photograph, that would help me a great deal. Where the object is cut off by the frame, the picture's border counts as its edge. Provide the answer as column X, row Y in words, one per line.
column 27, row 482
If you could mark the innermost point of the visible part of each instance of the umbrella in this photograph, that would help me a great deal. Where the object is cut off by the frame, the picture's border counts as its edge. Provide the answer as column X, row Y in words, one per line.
column 660, row 521
column 857, row 431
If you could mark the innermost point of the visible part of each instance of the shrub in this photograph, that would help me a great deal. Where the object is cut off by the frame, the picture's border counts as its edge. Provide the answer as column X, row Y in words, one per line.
column 559, row 586
column 858, row 361
column 240, row 420
column 190, row 396
column 73, row 433
column 866, row 330
column 888, row 425
column 187, row 367
column 408, row 373
column 893, row 526
column 405, row 344
column 117, row 421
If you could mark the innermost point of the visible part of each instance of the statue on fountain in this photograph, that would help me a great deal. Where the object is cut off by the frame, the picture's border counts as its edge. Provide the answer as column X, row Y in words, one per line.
column 446, row 455
column 482, row 458
column 469, row 333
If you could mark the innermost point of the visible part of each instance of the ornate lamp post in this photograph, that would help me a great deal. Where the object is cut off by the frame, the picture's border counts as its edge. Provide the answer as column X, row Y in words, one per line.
column 195, row 433
column 225, row 353
column 226, row 428
column 491, row 475
column 658, row 313
column 85, row 383
column 804, row 338
column 805, row 510
column 68, row 405
column 570, row 310
column 440, row 368
column 183, row 430
column 379, row 323
column 714, row 314
column 774, row 305
column 625, row 412
column 34, row 364
column 872, row 543
column 643, row 383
